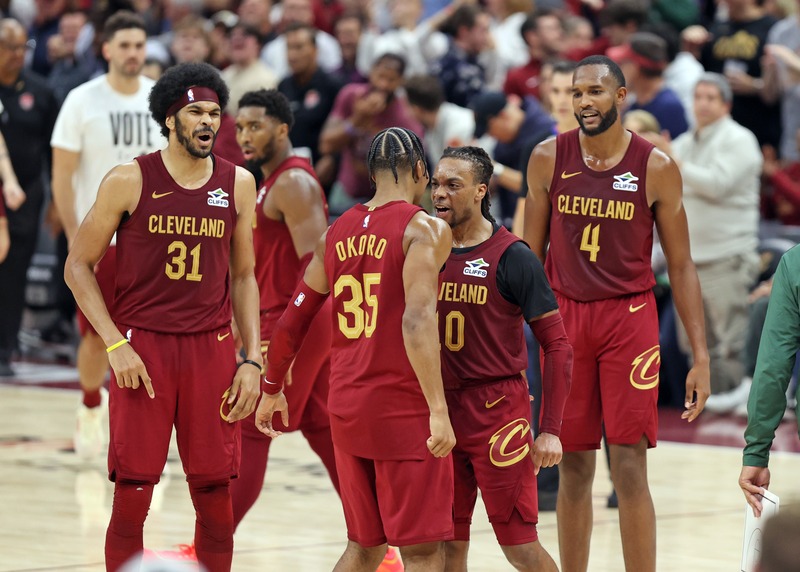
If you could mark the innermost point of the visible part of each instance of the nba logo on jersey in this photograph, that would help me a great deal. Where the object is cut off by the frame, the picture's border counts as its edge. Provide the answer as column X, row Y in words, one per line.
column 366, row 221
column 475, row 268
column 626, row 182
column 216, row 198
column 299, row 299
column 190, row 95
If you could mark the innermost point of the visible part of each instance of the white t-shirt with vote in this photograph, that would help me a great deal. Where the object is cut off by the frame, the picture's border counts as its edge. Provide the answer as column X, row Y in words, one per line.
column 107, row 128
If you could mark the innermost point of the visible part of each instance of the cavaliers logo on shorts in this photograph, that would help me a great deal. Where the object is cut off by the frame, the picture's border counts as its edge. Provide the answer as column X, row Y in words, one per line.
column 224, row 408
column 644, row 369
column 510, row 444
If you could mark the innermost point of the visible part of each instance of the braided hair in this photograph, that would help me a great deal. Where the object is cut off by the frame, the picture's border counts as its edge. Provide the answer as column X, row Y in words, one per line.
column 482, row 169
column 395, row 148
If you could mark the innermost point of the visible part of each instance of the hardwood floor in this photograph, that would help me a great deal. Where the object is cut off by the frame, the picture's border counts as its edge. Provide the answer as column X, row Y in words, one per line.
column 55, row 508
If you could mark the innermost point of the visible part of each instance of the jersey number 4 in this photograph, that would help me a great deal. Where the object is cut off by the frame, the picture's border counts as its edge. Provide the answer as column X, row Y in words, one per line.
column 356, row 319
column 590, row 241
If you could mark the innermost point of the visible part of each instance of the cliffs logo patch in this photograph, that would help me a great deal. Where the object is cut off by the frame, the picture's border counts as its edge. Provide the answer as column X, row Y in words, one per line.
column 476, row 268
column 217, row 198
column 626, row 182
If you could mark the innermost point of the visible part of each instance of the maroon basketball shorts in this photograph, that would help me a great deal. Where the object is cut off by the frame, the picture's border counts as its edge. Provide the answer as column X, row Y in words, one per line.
column 399, row 502
column 191, row 374
column 615, row 372
column 105, row 273
column 492, row 424
column 309, row 378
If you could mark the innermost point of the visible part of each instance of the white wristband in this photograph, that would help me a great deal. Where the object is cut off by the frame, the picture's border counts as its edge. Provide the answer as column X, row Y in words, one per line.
column 498, row 169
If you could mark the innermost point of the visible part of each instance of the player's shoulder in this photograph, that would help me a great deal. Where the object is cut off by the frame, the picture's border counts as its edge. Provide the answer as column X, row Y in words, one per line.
column 428, row 229
column 243, row 176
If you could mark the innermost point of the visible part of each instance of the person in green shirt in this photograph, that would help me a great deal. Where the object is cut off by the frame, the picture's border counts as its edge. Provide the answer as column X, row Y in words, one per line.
column 780, row 342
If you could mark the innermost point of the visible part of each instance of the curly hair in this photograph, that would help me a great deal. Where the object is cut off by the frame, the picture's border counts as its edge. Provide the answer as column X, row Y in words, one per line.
column 394, row 148
column 482, row 170
column 274, row 103
column 174, row 83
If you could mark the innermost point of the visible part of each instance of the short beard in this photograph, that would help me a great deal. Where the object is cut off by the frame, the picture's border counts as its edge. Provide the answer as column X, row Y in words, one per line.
column 267, row 154
column 606, row 121
column 187, row 141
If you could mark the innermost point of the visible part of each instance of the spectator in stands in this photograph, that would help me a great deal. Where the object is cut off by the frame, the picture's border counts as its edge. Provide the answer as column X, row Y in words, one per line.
column 445, row 123
column 256, row 15
column 783, row 60
column 461, row 74
column 721, row 166
column 247, row 72
column 512, row 123
column 544, row 38
column 310, row 90
column 29, row 111
column 643, row 61
column 619, row 19
column 359, row 113
column 735, row 48
column 69, row 68
column 349, row 31
column 682, row 71
column 418, row 42
column 506, row 28
column 329, row 55
column 191, row 42
column 45, row 25
column 785, row 183
column 578, row 33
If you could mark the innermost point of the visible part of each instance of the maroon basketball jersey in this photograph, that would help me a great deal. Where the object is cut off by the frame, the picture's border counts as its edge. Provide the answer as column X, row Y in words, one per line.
column 173, row 252
column 277, row 263
column 601, row 227
column 377, row 407
column 480, row 331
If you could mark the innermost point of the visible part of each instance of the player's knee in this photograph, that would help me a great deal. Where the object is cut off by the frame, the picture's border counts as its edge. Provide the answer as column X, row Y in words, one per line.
column 130, row 507
column 528, row 557
column 365, row 556
column 428, row 552
column 212, row 502
column 576, row 471
column 456, row 555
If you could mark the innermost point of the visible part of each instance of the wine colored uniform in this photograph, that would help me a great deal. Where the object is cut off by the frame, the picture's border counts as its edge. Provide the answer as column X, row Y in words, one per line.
column 172, row 301
column 601, row 238
column 485, row 294
column 393, row 488
column 278, row 269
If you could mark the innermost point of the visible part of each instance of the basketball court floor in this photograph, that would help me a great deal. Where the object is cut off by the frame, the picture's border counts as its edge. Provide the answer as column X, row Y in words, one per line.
column 54, row 508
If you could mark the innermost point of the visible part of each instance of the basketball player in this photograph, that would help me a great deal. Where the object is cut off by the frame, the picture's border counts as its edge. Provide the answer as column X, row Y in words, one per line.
column 595, row 192
column 183, row 219
column 391, row 432
column 291, row 215
column 104, row 122
column 490, row 284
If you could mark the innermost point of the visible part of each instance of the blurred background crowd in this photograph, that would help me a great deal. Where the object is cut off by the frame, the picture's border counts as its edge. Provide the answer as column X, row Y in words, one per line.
column 715, row 84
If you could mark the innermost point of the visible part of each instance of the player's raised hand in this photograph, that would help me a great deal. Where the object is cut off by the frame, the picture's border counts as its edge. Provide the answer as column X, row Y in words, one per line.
column 442, row 439
column 129, row 369
column 268, row 406
column 697, row 382
column 244, row 391
column 753, row 481
column 546, row 452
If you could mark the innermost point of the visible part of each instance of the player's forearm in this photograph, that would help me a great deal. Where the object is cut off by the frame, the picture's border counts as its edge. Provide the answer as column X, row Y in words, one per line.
column 6, row 168
column 244, row 298
column 79, row 276
column 420, row 337
column 689, row 304
column 557, row 375
column 64, row 199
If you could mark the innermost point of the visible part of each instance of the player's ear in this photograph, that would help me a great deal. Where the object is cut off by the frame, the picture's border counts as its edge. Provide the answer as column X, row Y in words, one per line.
column 482, row 190
column 170, row 122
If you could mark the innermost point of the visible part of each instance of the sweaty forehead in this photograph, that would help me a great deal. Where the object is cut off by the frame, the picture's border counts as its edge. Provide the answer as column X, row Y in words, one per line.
column 451, row 168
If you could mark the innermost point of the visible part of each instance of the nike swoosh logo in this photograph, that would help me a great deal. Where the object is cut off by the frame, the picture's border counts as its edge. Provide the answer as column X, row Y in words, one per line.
column 158, row 196
column 633, row 308
column 565, row 175
column 493, row 403
column 221, row 337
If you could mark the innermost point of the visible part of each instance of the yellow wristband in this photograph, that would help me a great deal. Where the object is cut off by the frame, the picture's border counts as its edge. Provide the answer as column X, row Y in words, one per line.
column 111, row 348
